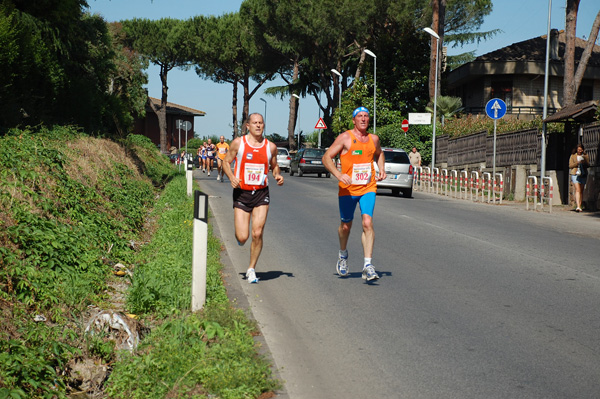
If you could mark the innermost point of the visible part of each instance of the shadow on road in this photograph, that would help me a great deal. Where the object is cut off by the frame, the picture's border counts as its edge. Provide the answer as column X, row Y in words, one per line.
column 271, row 275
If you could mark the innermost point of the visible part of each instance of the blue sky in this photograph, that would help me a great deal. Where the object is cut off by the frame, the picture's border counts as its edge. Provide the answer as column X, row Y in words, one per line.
column 518, row 19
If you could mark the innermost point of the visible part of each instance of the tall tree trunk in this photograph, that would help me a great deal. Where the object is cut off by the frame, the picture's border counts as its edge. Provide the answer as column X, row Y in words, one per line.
column 293, row 109
column 587, row 52
column 161, row 112
column 437, row 24
column 234, row 110
column 569, row 92
column 246, row 94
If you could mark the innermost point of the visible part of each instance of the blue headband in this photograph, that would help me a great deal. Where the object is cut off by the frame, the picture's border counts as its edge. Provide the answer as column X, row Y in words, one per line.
column 359, row 109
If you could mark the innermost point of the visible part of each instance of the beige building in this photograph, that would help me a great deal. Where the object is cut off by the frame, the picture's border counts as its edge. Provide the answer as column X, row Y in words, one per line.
column 516, row 73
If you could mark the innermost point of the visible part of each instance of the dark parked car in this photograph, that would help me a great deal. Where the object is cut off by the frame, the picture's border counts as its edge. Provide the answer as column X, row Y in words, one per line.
column 308, row 160
column 399, row 172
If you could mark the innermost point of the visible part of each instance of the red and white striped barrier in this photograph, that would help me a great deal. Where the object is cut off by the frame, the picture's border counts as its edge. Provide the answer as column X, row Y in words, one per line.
column 435, row 180
column 498, row 191
column 454, row 182
column 546, row 182
column 474, row 185
column 486, row 186
column 444, row 181
column 426, row 179
column 532, row 185
column 464, row 184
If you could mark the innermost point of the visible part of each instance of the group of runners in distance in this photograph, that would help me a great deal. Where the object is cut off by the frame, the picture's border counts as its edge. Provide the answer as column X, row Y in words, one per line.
column 209, row 152
column 254, row 156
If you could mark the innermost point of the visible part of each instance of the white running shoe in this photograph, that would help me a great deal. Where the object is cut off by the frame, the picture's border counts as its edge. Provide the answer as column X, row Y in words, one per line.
column 369, row 273
column 251, row 276
column 218, row 177
column 342, row 266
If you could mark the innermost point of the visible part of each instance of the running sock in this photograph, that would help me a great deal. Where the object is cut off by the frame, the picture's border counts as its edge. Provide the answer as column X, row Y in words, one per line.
column 344, row 253
column 367, row 262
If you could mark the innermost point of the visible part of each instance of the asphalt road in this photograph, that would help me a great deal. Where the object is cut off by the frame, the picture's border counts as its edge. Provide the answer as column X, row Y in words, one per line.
column 474, row 300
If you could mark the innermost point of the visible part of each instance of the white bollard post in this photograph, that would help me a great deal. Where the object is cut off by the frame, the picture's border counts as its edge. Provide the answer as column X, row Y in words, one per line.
column 189, row 174
column 199, row 250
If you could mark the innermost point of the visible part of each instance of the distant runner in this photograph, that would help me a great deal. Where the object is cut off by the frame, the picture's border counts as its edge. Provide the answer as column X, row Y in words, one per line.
column 210, row 155
column 222, row 148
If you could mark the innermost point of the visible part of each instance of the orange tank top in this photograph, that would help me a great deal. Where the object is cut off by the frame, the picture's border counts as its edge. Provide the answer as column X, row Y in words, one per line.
column 252, row 165
column 358, row 164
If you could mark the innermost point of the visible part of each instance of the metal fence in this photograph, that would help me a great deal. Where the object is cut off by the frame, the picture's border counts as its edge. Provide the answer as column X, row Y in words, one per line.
column 591, row 142
column 515, row 148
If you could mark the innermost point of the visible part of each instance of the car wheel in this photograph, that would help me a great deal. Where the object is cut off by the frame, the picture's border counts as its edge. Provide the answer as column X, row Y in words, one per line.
column 328, row 175
column 407, row 193
column 396, row 191
column 300, row 173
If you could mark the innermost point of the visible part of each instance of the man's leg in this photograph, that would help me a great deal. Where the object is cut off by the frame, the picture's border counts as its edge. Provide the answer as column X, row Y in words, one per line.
column 367, row 207
column 344, row 233
column 368, row 236
column 259, row 218
column 241, row 221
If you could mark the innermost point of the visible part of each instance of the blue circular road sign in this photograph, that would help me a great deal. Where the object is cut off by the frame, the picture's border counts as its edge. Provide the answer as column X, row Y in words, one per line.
column 495, row 108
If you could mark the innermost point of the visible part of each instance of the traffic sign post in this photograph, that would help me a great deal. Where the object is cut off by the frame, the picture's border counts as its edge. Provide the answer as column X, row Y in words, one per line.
column 495, row 109
column 185, row 125
column 405, row 126
column 320, row 125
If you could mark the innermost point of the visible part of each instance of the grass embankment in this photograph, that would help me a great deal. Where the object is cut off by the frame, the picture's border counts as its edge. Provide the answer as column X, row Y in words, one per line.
column 71, row 207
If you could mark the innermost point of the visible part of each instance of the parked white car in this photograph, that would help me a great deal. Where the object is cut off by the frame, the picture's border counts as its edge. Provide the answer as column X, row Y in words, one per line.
column 399, row 172
column 283, row 159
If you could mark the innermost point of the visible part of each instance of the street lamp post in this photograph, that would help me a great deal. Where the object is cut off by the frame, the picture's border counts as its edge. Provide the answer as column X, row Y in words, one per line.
column 298, row 118
column 319, row 104
column 546, row 76
column 265, row 101
column 437, row 63
column 340, row 96
column 369, row 52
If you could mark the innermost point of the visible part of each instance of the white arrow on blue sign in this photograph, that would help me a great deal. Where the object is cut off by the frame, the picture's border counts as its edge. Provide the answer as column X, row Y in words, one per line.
column 495, row 108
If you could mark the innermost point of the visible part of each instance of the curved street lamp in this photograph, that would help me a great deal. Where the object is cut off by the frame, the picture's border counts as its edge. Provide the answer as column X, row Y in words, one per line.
column 340, row 96
column 369, row 52
column 437, row 63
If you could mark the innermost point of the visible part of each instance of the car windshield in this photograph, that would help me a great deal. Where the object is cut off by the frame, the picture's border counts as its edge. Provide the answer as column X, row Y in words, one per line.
column 314, row 153
column 282, row 151
column 396, row 157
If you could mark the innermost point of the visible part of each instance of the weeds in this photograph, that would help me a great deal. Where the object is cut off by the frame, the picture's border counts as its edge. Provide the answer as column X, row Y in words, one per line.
column 70, row 207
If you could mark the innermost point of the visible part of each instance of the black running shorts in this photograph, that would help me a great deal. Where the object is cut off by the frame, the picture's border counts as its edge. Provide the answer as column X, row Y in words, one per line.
column 247, row 200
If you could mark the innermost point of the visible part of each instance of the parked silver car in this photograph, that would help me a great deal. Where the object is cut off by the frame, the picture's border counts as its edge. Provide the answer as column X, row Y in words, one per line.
column 283, row 159
column 399, row 172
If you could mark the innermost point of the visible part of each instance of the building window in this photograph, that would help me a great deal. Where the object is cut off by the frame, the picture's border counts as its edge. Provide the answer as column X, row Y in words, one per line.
column 503, row 90
column 585, row 93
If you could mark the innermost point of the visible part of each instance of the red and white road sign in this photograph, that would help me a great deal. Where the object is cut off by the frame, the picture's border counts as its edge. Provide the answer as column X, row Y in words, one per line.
column 405, row 125
column 321, row 124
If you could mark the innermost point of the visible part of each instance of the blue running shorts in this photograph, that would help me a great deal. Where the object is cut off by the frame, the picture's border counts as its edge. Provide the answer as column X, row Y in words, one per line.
column 348, row 203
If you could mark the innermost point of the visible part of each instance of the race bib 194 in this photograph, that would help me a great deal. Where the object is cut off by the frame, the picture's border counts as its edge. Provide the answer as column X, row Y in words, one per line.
column 254, row 174
column 361, row 173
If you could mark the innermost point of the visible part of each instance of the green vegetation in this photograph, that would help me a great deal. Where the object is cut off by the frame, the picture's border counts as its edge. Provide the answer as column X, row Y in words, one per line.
column 71, row 207
column 469, row 124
